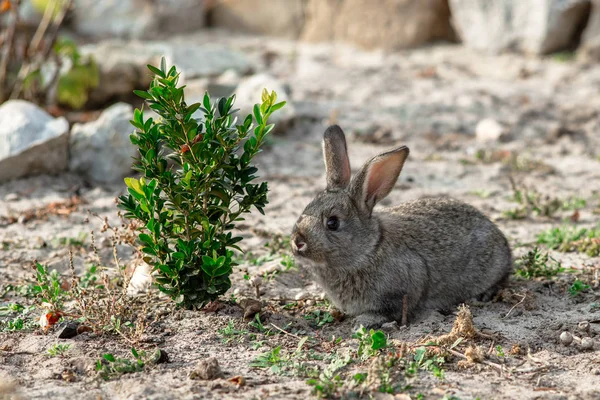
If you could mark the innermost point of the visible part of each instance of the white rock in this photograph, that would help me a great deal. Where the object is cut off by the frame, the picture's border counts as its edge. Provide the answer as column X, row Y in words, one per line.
column 140, row 281
column 31, row 141
column 489, row 130
column 529, row 26
column 302, row 295
column 249, row 92
column 11, row 197
column 587, row 343
column 566, row 338
column 137, row 18
column 101, row 149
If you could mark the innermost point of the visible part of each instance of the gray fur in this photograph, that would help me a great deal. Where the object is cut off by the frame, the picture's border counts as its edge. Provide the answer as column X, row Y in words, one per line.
column 437, row 251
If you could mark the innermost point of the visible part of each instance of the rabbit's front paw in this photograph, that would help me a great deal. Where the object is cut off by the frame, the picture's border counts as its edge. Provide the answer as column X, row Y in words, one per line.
column 370, row 321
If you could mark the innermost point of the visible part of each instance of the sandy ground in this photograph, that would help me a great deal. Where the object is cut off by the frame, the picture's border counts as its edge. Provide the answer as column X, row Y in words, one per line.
column 430, row 100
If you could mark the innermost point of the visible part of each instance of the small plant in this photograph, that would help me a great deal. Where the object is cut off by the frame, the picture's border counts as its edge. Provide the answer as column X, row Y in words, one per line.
column 58, row 349
column 230, row 332
column 271, row 359
column 320, row 318
column 429, row 362
column 567, row 239
column 499, row 351
column 257, row 324
column 537, row 265
column 49, row 288
column 577, row 287
column 369, row 342
column 190, row 208
column 329, row 381
column 109, row 366
column 22, row 320
column 533, row 202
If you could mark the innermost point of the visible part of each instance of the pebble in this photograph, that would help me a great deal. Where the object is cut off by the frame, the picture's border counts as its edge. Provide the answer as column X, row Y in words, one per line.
column 488, row 130
column 587, row 343
column 309, row 302
column 566, row 338
column 11, row 197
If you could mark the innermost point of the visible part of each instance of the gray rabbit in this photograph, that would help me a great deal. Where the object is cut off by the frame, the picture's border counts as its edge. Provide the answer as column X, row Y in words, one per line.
column 436, row 251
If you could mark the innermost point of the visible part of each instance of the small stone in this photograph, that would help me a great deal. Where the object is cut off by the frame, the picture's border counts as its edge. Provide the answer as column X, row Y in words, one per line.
column 489, row 130
column 236, row 291
column 207, row 369
column 301, row 296
column 309, row 303
column 587, row 343
column 11, row 197
column 67, row 330
column 583, row 326
column 566, row 338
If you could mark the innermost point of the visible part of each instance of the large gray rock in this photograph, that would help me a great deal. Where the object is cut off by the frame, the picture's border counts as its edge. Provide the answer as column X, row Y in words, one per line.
column 137, row 18
column 123, row 67
column 589, row 48
column 528, row 26
column 31, row 141
column 101, row 150
column 273, row 17
column 249, row 92
column 200, row 61
column 388, row 24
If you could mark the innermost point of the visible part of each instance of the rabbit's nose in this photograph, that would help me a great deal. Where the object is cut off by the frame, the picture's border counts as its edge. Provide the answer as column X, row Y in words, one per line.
column 298, row 243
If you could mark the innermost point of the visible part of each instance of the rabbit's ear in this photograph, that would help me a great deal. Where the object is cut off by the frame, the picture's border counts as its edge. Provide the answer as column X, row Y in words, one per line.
column 377, row 178
column 335, row 153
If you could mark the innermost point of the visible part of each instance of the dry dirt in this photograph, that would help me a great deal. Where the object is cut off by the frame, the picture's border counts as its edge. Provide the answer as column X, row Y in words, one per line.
column 430, row 100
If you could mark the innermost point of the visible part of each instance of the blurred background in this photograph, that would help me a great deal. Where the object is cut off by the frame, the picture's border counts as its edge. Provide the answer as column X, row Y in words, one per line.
column 478, row 89
column 385, row 70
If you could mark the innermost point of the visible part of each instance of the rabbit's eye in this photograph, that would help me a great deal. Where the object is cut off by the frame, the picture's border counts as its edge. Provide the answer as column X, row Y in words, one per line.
column 333, row 223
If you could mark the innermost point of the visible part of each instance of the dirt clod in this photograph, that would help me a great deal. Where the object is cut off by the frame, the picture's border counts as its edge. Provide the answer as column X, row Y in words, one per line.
column 251, row 307
column 207, row 370
column 67, row 330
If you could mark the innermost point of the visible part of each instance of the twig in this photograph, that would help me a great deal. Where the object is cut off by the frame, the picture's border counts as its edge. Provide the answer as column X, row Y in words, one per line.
column 286, row 332
column 513, row 307
column 405, row 310
column 27, row 67
column 34, row 47
column 486, row 362
column 531, row 369
column 10, row 41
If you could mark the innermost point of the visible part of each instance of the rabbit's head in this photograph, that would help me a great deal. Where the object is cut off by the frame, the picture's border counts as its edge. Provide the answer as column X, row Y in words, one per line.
column 337, row 227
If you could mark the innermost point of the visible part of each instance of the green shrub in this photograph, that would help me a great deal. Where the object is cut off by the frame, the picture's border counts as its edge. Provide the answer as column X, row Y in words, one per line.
column 190, row 205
